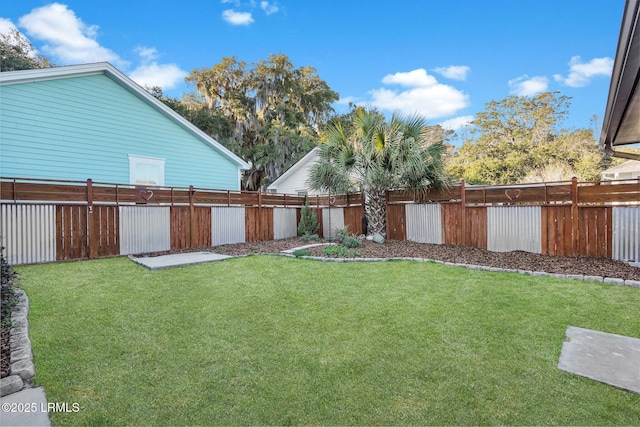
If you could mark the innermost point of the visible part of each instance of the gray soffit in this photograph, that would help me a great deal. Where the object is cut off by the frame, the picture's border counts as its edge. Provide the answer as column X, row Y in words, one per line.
column 622, row 116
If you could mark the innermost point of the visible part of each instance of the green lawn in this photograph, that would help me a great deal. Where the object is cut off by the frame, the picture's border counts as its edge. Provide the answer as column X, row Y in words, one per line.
column 268, row 340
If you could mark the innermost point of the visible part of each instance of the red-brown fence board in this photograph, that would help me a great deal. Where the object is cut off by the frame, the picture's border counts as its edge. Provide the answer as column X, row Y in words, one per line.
column 451, row 223
column 431, row 195
column 353, row 219
column 556, row 230
column 595, row 231
column 190, row 227
column 29, row 191
column 71, row 232
column 476, row 227
column 559, row 193
column 107, row 237
column 180, row 225
column 318, row 212
column 201, row 227
column 396, row 222
column 609, row 193
column 258, row 224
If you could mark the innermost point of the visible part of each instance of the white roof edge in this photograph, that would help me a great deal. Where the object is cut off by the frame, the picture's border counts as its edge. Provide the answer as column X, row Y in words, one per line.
column 293, row 168
column 628, row 166
column 40, row 74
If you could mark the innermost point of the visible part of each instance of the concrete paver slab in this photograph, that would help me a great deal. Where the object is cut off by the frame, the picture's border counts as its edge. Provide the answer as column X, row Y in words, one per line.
column 312, row 245
column 176, row 260
column 608, row 358
column 27, row 407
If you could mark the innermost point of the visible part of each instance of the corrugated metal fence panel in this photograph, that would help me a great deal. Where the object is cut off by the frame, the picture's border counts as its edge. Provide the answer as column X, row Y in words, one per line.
column 424, row 223
column 332, row 220
column 227, row 225
column 626, row 233
column 28, row 233
column 284, row 223
column 514, row 228
column 144, row 229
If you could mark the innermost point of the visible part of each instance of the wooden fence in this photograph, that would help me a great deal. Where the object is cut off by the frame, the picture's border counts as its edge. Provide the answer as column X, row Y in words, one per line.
column 47, row 220
column 94, row 220
column 568, row 218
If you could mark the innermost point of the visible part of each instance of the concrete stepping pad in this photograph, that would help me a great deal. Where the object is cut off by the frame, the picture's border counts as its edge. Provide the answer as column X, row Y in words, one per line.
column 177, row 260
column 608, row 358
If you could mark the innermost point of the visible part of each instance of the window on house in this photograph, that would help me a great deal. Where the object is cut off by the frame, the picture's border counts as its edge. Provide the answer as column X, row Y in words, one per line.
column 146, row 170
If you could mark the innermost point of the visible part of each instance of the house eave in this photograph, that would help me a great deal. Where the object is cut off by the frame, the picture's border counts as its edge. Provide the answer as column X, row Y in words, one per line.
column 621, row 125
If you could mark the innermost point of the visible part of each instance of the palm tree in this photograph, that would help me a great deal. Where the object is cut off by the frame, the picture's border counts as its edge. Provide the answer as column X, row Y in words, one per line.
column 372, row 155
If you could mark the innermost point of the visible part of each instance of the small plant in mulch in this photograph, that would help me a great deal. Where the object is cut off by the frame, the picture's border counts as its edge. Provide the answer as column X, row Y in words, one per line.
column 9, row 301
column 343, row 237
column 308, row 221
column 339, row 250
column 301, row 252
column 309, row 238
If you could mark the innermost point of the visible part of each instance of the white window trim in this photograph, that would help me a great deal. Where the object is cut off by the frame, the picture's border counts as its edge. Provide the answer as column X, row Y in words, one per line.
column 134, row 160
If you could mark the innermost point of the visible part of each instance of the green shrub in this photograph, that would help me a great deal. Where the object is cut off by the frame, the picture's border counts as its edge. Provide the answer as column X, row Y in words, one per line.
column 301, row 252
column 351, row 242
column 309, row 238
column 339, row 250
column 308, row 220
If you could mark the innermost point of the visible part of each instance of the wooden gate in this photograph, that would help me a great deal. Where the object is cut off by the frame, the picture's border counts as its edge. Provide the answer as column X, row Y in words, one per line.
column 190, row 227
column 82, row 233
column 258, row 224
column 396, row 222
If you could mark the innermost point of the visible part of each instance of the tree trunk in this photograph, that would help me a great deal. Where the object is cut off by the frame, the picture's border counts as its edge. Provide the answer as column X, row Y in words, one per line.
column 376, row 211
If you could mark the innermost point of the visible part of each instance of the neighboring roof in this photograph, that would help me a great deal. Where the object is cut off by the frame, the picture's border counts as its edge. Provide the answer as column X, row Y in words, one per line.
column 621, row 124
column 41, row 74
column 303, row 162
column 628, row 166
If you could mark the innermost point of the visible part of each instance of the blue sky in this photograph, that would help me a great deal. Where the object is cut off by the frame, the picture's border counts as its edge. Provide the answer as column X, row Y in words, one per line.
column 444, row 59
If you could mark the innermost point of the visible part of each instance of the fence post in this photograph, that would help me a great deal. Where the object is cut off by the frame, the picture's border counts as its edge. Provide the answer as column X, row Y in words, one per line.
column 259, row 222
column 191, row 215
column 463, row 213
column 575, row 219
column 93, row 239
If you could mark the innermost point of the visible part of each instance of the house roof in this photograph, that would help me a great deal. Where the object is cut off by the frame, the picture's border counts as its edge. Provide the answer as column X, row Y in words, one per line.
column 628, row 166
column 41, row 74
column 303, row 162
column 621, row 124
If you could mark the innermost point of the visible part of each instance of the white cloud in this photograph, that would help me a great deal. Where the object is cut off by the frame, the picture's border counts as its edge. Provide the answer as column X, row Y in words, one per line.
column 415, row 78
column 167, row 76
column 237, row 18
column 425, row 95
column 269, row 8
column 528, row 86
column 6, row 26
column 147, row 53
column 67, row 38
column 580, row 74
column 348, row 100
column 457, row 122
column 149, row 73
column 455, row 72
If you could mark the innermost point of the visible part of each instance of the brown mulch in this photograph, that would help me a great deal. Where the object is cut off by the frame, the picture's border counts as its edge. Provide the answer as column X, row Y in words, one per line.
column 519, row 260
column 5, row 354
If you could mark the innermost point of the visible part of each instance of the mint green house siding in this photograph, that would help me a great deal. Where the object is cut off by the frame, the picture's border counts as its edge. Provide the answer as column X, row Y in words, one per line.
column 87, row 126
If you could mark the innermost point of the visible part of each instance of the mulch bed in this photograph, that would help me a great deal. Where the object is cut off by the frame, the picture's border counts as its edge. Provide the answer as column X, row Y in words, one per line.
column 520, row 260
column 5, row 367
